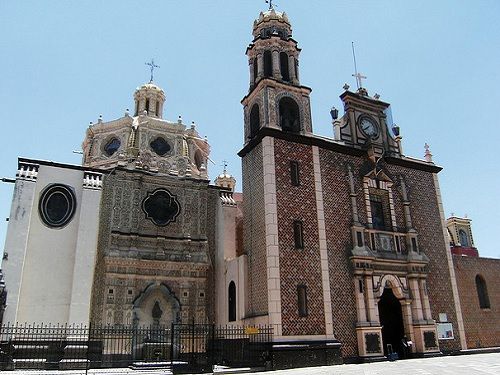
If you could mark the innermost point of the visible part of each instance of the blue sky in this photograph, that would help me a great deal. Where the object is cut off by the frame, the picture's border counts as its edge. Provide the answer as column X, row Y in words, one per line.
column 63, row 63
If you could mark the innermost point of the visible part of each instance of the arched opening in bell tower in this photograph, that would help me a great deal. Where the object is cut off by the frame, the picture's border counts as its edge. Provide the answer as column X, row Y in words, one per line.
column 284, row 68
column 289, row 115
column 268, row 64
column 391, row 320
column 254, row 120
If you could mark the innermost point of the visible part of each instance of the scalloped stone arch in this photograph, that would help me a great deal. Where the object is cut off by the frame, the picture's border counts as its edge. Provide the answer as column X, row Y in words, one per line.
column 393, row 282
column 145, row 302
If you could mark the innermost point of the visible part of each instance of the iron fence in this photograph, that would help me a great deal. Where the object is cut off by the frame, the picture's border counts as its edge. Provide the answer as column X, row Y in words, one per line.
column 179, row 346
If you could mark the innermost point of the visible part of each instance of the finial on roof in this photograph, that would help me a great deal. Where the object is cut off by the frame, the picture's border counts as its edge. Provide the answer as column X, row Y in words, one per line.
column 428, row 155
column 346, row 86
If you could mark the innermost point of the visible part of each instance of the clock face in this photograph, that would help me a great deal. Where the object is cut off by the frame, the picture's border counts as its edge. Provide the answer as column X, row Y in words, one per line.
column 369, row 127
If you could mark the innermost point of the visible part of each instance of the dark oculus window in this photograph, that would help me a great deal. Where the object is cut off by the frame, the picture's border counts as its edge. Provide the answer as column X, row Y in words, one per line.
column 112, row 146
column 160, row 146
column 298, row 234
column 294, row 173
column 57, row 205
column 161, row 207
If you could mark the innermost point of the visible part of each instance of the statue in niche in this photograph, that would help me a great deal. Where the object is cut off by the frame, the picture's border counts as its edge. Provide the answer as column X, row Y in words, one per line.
column 155, row 333
column 157, row 313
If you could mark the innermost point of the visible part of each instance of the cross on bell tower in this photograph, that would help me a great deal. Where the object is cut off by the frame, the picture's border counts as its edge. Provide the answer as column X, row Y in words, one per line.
column 152, row 67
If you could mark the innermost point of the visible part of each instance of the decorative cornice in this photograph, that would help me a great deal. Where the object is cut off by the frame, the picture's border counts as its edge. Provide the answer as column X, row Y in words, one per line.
column 226, row 198
column 27, row 171
column 92, row 180
column 329, row 144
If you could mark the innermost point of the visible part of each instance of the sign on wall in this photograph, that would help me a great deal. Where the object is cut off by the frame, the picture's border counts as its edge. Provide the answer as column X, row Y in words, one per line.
column 445, row 331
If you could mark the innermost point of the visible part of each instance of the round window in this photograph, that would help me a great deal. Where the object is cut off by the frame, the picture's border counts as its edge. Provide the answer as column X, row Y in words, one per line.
column 112, row 146
column 57, row 205
column 160, row 146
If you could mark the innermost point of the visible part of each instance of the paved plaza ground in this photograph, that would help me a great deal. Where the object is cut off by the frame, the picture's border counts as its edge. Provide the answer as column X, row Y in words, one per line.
column 452, row 365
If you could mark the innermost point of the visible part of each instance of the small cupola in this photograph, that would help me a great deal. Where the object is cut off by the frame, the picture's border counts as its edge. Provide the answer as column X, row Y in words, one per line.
column 149, row 100
column 272, row 23
column 225, row 180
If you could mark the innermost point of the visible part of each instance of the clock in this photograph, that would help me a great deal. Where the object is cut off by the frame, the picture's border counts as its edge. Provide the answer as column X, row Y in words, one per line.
column 368, row 127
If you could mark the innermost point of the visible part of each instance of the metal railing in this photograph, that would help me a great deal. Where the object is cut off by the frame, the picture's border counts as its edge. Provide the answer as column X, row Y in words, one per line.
column 197, row 346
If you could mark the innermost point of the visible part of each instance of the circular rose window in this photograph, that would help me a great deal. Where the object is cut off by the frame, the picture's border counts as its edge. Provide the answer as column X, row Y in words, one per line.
column 57, row 205
column 161, row 207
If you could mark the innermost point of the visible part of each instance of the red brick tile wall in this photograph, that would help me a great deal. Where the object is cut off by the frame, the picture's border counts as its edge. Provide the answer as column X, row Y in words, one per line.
column 298, row 266
column 254, row 230
column 338, row 220
column 338, row 216
column 482, row 326
column 427, row 221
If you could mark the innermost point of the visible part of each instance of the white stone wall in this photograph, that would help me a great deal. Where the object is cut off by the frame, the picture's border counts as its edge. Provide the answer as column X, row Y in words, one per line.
column 49, row 271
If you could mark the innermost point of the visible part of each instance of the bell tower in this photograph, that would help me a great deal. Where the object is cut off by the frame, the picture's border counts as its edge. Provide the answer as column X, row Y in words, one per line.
column 275, row 99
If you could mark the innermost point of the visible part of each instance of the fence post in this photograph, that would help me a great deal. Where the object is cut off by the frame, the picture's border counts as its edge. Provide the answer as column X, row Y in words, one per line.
column 212, row 347
column 192, row 341
column 87, row 361
column 172, row 328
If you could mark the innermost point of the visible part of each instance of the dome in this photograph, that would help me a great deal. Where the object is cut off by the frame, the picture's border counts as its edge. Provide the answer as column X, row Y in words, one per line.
column 150, row 86
column 273, row 21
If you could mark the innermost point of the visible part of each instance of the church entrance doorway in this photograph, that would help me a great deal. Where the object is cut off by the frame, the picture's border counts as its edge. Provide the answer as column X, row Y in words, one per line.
column 391, row 319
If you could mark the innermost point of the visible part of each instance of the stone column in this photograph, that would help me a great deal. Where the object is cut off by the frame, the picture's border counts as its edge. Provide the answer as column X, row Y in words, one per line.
column 252, row 78
column 260, row 66
column 372, row 307
column 425, row 300
column 291, row 69
column 276, row 65
column 408, row 321
column 417, row 303
column 360, row 300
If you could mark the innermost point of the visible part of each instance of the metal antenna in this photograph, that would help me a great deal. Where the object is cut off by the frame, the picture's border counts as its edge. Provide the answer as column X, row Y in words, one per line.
column 152, row 67
column 359, row 77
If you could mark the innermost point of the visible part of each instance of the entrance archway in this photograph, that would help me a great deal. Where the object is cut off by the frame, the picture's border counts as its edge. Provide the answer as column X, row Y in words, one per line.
column 391, row 319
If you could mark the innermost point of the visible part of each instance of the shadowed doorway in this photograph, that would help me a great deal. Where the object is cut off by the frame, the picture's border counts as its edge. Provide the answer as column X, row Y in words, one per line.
column 391, row 319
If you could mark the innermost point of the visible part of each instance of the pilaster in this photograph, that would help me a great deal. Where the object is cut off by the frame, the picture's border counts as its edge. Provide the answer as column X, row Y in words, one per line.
column 272, row 247
column 325, row 276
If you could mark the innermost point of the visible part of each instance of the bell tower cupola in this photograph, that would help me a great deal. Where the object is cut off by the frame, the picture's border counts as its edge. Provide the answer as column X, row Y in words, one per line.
column 149, row 100
column 276, row 98
column 273, row 53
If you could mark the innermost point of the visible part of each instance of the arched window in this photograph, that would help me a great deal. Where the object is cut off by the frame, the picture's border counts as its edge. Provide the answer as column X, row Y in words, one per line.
column 289, row 115
column 198, row 159
column 157, row 113
column 482, row 292
column 231, row 301
column 285, row 73
column 147, row 106
column 464, row 240
column 268, row 64
column 254, row 120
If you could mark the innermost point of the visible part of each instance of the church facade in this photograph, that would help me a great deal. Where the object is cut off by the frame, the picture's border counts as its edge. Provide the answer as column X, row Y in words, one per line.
column 337, row 243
